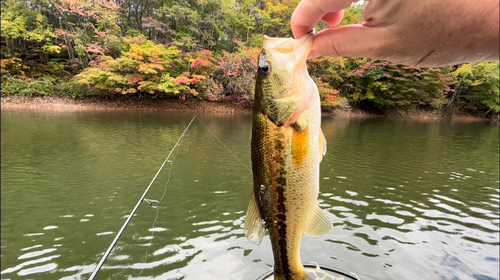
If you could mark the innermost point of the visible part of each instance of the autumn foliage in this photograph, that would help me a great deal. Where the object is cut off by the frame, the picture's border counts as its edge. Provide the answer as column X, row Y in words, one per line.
column 207, row 50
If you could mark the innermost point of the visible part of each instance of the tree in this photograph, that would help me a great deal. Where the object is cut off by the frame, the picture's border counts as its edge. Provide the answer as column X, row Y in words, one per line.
column 88, row 28
column 25, row 30
column 477, row 87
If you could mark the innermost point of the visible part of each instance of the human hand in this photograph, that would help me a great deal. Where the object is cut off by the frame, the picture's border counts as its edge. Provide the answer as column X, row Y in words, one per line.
column 415, row 33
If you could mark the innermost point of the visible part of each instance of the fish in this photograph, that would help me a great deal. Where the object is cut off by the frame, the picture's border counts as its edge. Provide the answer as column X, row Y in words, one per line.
column 287, row 147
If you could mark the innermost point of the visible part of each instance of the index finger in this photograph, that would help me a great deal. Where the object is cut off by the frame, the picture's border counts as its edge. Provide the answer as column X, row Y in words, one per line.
column 309, row 12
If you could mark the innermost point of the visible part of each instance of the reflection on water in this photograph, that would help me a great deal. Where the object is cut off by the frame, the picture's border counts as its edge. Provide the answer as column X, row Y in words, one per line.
column 408, row 200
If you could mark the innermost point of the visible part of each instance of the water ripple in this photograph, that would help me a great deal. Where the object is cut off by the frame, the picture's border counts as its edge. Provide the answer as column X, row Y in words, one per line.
column 408, row 200
column 31, row 262
column 36, row 253
column 38, row 269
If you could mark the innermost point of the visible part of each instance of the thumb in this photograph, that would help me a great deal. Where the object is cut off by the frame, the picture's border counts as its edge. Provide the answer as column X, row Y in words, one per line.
column 351, row 40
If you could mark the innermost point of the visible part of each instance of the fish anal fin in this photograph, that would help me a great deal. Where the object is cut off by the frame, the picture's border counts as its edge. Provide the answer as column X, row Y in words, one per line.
column 322, row 144
column 254, row 228
column 320, row 224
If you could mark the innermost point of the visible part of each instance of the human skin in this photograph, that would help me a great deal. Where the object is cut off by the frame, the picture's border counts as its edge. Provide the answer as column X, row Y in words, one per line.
column 428, row 33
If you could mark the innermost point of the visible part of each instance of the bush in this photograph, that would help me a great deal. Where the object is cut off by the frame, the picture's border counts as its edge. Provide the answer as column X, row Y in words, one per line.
column 381, row 85
column 235, row 72
column 73, row 89
column 154, row 68
column 41, row 86
column 477, row 87
column 139, row 69
column 12, row 66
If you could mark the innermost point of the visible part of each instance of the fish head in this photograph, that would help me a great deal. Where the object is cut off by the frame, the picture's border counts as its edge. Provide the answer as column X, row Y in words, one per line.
column 282, row 66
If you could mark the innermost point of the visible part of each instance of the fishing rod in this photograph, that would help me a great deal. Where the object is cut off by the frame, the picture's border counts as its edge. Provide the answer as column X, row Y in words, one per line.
column 106, row 254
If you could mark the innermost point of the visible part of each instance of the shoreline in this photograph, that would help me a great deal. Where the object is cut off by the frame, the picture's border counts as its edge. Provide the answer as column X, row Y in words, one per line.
column 119, row 102
column 147, row 103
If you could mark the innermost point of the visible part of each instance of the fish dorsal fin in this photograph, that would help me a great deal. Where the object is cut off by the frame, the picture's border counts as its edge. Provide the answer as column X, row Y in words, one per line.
column 254, row 228
column 322, row 144
column 320, row 224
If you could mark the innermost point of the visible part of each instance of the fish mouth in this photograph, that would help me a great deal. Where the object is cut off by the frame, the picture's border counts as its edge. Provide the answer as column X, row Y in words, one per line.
column 282, row 51
column 288, row 45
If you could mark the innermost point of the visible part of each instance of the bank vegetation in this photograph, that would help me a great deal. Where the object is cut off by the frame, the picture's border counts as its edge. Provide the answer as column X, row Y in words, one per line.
column 207, row 50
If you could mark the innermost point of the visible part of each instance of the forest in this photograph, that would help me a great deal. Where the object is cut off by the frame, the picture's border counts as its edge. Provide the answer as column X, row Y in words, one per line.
column 207, row 50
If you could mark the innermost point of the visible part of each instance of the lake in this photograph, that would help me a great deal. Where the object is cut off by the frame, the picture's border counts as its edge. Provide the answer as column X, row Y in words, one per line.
column 408, row 199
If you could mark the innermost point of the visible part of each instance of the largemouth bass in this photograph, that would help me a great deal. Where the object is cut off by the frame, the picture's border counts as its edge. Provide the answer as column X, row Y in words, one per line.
column 287, row 147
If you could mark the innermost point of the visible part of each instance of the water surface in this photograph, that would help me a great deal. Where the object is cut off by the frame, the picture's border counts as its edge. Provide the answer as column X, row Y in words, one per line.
column 408, row 199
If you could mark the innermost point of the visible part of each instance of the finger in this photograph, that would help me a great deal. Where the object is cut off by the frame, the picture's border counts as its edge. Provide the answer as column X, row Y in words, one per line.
column 309, row 12
column 334, row 18
column 351, row 40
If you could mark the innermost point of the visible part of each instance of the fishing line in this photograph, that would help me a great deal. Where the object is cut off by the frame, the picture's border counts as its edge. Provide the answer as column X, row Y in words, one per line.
column 156, row 203
column 225, row 146
column 168, row 180
column 158, row 208
column 106, row 254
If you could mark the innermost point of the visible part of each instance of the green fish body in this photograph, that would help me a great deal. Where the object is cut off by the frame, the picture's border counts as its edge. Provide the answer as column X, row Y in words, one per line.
column 287, row 147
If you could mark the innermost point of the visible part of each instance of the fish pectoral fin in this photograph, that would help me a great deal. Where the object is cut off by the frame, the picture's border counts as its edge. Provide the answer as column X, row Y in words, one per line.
column 322, row 144
column 254, row 229
column 320, row 224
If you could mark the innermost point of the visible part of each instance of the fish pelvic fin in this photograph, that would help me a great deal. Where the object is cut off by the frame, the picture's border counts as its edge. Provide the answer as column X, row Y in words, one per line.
column 322, row 145
column 320, row 224
column 254, row 228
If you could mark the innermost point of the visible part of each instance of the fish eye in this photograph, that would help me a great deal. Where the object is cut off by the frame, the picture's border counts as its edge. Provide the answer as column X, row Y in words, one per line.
column 264, row 68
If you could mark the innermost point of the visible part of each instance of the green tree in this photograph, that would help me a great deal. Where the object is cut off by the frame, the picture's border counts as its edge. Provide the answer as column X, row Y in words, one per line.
column 353, row 14
column 477, row 87
column 25, row 30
